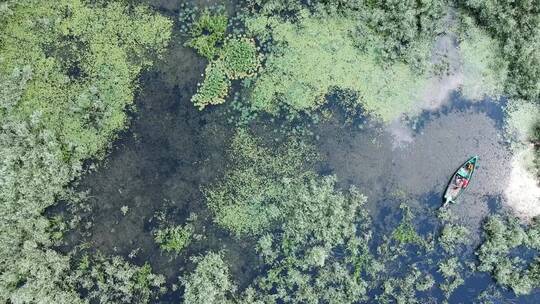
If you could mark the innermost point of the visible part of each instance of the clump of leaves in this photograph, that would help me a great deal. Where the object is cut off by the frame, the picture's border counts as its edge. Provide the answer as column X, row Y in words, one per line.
column 451, row 271
column 237, row 59
column 403, row 290
column 240, row 57
column 113, row 280
column 210, row 283
column 215, row 86
column 453, row 235
column 503, row 235
column 207, row 32
column 174, row 239
column 405, row 232
column 250, row 198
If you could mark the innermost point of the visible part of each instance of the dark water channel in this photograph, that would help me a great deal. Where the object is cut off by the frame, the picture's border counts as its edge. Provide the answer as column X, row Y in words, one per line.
column 172, row 150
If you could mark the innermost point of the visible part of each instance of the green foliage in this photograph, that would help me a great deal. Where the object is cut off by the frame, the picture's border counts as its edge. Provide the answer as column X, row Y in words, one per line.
column 250, row 199
column 215, row 87
column 503, row 235
column 300, row 254
column 451, row 271
column 210, row 283
column 312, row 56
column 68, row 69
column 174, row 239
column 399, row 30
column 515, row 25
column 453, row 235
column 301, row 220
column 207, row 32
column 484, row 69
column 521, row 119
column 237, row 59
column 403, row 290
column 240, row 57
column 405, row 232
column 116, row 281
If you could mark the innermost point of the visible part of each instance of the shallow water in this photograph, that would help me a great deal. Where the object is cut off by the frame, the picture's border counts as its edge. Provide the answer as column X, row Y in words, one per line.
column 171, row 150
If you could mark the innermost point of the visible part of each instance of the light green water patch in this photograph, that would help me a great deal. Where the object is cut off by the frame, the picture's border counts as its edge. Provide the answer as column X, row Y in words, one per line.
column 521, row 119
column 312, row 56
column 484, row 69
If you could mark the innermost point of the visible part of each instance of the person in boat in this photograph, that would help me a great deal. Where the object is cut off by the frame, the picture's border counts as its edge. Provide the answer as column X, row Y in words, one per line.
column 462, row 177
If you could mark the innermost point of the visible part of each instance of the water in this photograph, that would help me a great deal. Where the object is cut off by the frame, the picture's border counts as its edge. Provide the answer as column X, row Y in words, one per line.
column 172, row 150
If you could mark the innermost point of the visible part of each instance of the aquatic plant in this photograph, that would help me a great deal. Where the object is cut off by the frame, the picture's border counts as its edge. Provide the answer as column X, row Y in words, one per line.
column 452, row 235
column 67, row 75
column 215, row 86
column 484, row 68
column 240, row 57
column 207, row 32
column 300, row 219
column 116, row 281
column 300, row 254
column 399, row 30
column 518, row 36
column 310, row 57
column 403, row 290
column 174, row 239
column 237, row 58
column 405, row 232
column 251, row 197
column 503, row 235
column 451, row 271
column 210, row 282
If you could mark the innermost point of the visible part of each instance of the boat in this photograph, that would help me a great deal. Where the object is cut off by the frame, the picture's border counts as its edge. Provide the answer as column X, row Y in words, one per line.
column 454, row 189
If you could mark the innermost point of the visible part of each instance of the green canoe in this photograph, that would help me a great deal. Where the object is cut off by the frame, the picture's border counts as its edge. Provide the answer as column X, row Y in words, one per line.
column 453, row 190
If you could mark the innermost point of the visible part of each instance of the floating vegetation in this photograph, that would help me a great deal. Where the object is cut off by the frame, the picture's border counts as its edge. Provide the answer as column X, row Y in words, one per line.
column 207, row 33
column 451, row 270
column 229, row 59
column 503, row 236
column 310, row 57
column 210, row 282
